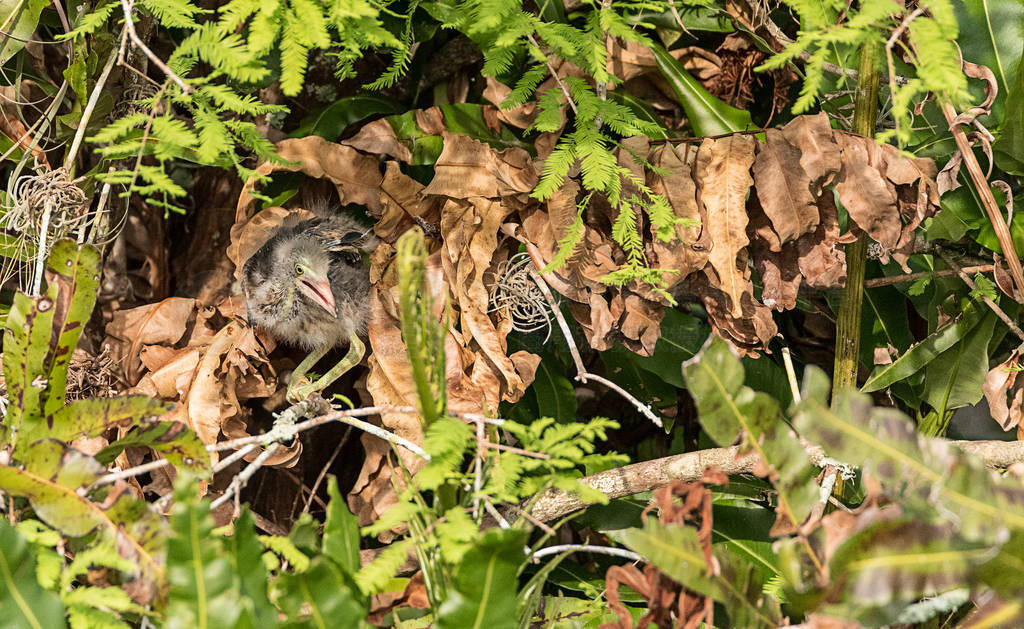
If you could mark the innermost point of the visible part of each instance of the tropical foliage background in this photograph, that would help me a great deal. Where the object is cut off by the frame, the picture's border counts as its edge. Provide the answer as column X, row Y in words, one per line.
column 684, row 313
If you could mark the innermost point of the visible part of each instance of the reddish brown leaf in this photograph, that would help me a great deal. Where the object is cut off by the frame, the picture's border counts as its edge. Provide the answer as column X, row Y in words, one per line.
column 868, row 197
column 723, row 180
column 784, row 188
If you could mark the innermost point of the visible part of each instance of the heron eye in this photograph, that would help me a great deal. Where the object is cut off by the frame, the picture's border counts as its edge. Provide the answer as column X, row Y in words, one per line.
column 298, row 269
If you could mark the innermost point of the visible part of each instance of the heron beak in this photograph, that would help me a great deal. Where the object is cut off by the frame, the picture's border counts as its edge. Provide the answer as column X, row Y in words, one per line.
column 319, row 290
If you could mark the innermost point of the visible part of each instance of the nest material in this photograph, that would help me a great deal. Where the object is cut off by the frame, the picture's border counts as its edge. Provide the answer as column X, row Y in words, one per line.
column 520, row 299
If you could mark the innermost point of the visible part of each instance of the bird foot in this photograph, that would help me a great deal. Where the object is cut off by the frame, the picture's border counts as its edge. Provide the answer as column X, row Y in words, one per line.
column 300, row 387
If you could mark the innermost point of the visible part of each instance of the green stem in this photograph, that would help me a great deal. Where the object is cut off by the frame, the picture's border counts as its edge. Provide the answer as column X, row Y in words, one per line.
column 848, row 323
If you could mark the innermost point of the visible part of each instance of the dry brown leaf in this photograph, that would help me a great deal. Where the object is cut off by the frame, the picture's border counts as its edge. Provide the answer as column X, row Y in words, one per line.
column 779, row 269
column 356, row 176
column 784, row 188
column 723, row 179
column 401, row 200
column 378, row 138
column 690, row 253
column 468, row 168
column 521, row 116
column 467, row 256
column 430, row 121
column 1003, row 396
column 822, row 259
column 868, row 197
column 819, row 153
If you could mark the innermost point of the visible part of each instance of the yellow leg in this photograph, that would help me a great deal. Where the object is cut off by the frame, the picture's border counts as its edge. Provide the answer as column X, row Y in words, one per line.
column 299, row 387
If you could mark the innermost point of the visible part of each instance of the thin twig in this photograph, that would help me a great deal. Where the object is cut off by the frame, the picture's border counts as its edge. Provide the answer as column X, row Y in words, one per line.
column 554, row 74
column 130, row 26
column 130, row 472
column 913, row 277
column 988, row 302
column 981, row 185
column 588, row 548
column 582, row 375
column 896, row 34
column 227, row 461
column 323, row 470
column 240, row 480
column 519, row 451
column 90, row 106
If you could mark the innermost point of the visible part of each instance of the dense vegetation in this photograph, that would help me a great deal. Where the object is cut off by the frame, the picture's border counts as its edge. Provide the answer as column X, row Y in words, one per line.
column 683, row 313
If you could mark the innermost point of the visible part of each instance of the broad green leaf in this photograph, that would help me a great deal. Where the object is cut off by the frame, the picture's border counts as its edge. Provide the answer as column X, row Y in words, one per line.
column 885, row 444
column 89, row 418
column 1005, row 572
column 681, row 338
column 955, row 377
column 42, row 333
column 726, row 407
column 23, row 601
column 341, row 531
column 884, row 322
column 556, row 396
column 204, row 583
column 245, row 552
column 331, row 121
column 918, row 356
column 677, row 552
column 18, row 20
column 707, row 114
column 321, row 597
column 173, row 440
column 483, row 592
column 55, row 498
column 894, row 563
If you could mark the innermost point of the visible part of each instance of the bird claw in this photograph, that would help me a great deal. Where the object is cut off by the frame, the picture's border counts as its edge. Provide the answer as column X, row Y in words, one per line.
column 299, row 391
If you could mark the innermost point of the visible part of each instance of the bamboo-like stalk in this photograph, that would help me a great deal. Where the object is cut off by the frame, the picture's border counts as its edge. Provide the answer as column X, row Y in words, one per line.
column 848, row 324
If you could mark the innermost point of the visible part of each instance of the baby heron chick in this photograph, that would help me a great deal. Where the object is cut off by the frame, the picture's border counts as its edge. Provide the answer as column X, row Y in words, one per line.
column 307, row 286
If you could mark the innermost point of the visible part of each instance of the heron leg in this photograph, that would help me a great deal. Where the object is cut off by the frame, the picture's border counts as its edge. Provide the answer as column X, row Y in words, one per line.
column 299, row 388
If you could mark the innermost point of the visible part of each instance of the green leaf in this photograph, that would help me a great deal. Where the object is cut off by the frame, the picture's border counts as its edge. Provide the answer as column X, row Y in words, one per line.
column 885, row 444
column 89, row 418
column 321, row 597
column 18, row 20
column 955, row 377
column 174, row 440
column 715, row 379
column 677, row 552
column 24, row 602
column 681, row 338
column 918, row 356
column 483, row 592
column 556, row 396
column 707, row 114
column 42, row 333
column 341, row 531
column 331, row 121
column 894, row 563
column 52, row 488
column 204, row 580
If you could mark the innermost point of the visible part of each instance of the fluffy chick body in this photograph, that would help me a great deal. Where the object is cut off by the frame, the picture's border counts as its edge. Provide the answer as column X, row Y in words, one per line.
column 327, row 247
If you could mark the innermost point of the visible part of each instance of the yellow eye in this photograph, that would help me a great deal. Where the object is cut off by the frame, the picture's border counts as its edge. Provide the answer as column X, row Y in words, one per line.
column 298, row 269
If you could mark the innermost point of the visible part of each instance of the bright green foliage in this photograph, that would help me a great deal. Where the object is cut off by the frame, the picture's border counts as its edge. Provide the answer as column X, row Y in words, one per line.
column 424, row 338
column 24, row 601
column 237, row 44
column 931, row 32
